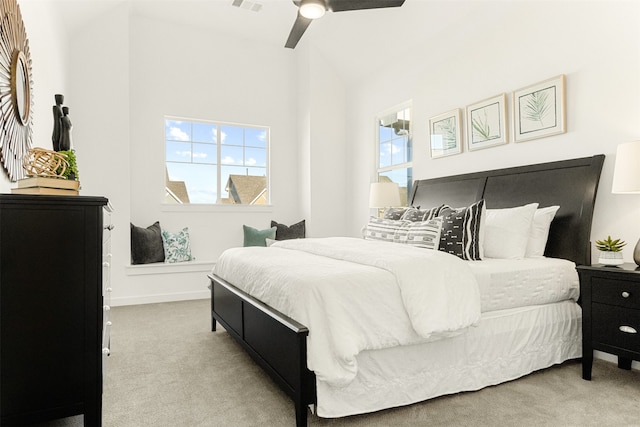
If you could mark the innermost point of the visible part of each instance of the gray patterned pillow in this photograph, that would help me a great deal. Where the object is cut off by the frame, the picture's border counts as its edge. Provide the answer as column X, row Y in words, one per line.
column 176, row 246
column 394, row 213
column 424, row 234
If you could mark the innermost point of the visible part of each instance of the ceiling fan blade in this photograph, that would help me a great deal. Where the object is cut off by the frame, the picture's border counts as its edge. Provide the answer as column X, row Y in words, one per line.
column 344, row 5
column 299, row 27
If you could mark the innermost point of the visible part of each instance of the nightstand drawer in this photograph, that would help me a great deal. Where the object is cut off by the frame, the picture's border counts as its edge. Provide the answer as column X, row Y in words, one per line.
column 615, row 326
column 623, row 293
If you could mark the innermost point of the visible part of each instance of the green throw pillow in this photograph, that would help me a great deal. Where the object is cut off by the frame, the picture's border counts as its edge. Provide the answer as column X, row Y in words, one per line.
column 253, row 237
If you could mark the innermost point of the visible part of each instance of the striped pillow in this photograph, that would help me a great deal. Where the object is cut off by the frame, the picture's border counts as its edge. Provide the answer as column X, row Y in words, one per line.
column 417, row 214
column 461, row 231
column 423, row 234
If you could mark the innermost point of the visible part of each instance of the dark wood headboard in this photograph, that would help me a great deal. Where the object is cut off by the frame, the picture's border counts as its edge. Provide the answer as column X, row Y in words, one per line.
column 570, row 184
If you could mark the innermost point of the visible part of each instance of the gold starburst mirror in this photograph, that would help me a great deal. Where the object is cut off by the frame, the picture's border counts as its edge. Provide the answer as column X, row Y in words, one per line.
column 16, row 87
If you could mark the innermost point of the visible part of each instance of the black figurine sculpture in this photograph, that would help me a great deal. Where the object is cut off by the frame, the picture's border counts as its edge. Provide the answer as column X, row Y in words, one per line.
column 57, row 122
column 65, row 130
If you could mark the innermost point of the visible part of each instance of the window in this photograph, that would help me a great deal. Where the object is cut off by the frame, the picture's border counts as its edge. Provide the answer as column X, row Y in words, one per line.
column 394, row 146
column 216, row 163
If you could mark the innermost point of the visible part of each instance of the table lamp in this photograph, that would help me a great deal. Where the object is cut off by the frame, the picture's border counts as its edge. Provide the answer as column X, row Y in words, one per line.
column 626, row 177
column 384, row 195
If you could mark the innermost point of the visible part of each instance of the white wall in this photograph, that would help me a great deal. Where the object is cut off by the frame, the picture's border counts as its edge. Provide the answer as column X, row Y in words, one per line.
column 49, row 55
column 501, row 47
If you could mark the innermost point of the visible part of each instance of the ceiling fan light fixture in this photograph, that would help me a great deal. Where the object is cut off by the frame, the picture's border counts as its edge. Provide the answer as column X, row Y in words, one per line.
column 312, row 9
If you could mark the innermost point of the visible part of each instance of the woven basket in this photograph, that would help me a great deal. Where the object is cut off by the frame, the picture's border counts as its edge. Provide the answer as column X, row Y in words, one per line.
column 42, row 162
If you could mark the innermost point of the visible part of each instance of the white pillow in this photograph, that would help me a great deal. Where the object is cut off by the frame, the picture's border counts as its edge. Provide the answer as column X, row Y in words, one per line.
column 507, row 231
column 540, row 231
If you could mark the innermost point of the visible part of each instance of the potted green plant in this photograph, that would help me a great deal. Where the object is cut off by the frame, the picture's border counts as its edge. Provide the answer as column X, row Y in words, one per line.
column 610, row 251
column 71, row 172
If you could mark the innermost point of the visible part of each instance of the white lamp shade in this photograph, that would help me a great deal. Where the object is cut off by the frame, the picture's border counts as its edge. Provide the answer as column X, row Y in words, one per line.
column 384, row 194
column 626, row 174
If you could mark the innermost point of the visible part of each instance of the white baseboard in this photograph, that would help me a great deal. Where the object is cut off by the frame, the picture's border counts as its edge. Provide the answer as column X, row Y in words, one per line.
column 156, row 298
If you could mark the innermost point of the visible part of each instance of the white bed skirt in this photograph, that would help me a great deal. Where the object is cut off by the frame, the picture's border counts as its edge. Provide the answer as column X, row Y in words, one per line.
column 506, row 345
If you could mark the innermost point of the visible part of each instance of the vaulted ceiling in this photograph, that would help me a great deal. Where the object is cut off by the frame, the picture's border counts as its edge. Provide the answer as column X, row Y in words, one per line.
column 355, row 42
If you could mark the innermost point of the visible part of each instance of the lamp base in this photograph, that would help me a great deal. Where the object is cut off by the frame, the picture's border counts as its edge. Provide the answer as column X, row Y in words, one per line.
column 636, row 253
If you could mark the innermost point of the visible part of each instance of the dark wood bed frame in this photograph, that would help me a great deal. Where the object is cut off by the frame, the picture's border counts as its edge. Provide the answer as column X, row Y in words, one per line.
column 278, row 343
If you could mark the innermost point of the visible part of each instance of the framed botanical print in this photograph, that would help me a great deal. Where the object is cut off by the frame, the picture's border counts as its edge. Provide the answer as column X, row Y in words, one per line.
column 539, row 110
column 487, row 123
column 445, row 134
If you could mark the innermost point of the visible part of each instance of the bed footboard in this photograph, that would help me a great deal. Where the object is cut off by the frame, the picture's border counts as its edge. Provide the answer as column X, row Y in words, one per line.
column 276, row 342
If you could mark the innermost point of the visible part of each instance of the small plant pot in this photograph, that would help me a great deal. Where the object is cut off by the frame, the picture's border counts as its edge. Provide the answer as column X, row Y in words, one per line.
column 610, row 258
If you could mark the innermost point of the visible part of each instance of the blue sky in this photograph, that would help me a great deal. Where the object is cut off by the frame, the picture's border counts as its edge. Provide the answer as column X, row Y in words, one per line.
column 191, row 153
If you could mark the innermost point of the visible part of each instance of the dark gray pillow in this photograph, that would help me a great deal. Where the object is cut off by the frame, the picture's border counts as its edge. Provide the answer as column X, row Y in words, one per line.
column 284, row 232
column 146, row 244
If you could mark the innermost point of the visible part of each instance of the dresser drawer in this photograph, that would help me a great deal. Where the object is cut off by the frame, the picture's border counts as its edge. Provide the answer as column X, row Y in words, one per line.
column 622, row 293
column 615, row 326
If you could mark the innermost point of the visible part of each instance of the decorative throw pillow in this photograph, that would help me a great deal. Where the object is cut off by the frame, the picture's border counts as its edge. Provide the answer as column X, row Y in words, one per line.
column 461, row 231
column 422, row 234
column 540, row 231
column 146, row 244
column 394, row 213
column 382, row 229
column 507, row 231
column 176, row 246
column 417, row 214
column 255, row 237
column 295, row 231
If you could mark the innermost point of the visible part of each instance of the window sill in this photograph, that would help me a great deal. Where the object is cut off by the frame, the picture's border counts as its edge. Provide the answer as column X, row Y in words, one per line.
column 169, row 268
column 165, row 207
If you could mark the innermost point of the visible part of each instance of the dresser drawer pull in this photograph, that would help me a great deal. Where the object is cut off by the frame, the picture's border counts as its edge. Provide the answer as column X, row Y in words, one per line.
column 627, row 329
column 626, row 294
column 105, row 351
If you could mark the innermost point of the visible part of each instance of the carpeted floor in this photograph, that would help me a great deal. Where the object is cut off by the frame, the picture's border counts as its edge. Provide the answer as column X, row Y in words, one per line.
column 168, row 369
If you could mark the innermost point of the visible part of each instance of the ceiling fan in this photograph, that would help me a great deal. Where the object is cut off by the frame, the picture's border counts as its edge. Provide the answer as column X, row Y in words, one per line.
column 308, row 10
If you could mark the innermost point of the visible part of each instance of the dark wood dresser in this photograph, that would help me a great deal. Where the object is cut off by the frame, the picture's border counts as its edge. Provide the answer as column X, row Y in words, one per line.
column 50, row 308
column 610, row 313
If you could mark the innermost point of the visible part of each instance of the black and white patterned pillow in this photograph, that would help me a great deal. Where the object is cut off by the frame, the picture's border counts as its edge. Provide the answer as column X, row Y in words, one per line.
column 461, row 231
column 382, row 229
column 394, row 213
column 423, row 234
column 417, row 214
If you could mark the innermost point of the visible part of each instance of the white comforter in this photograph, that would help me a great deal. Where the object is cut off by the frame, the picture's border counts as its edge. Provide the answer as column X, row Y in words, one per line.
column 356, row 295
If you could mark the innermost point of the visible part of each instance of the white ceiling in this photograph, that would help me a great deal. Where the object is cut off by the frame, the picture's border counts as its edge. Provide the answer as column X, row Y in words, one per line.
column 355, row 42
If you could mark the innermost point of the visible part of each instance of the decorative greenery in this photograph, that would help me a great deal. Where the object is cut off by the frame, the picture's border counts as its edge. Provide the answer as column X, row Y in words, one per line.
column 609, row 245
column 537, row 106
column 482, row 128
column 71, row 172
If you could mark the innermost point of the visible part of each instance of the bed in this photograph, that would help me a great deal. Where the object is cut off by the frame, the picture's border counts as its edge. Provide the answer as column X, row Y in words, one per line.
column 509, row 331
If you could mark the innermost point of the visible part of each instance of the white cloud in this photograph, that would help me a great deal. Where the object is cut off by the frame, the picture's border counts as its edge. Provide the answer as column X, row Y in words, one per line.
column 228, row 160
column 177, row 134
column 251, row 162
column 183, row 153
column 223, row 137
column 200, row 155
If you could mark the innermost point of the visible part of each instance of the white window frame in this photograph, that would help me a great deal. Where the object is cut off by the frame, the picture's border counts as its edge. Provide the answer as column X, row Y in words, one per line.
column 405, row 165
column 218, row 206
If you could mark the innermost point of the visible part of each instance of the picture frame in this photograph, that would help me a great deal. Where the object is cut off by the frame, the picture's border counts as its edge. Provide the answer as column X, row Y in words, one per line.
column 445, row 134
column 487, row 123
column 539, row 110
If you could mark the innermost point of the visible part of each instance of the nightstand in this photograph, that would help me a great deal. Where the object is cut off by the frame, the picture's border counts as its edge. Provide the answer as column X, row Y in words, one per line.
column 610, row 313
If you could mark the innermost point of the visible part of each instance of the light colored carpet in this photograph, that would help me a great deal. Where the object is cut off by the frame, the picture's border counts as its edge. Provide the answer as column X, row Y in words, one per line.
column 168, row 369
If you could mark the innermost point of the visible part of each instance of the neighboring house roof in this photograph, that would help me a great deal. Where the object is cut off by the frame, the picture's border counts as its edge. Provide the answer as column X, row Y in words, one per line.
column 247, row 189
column 176, row 190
